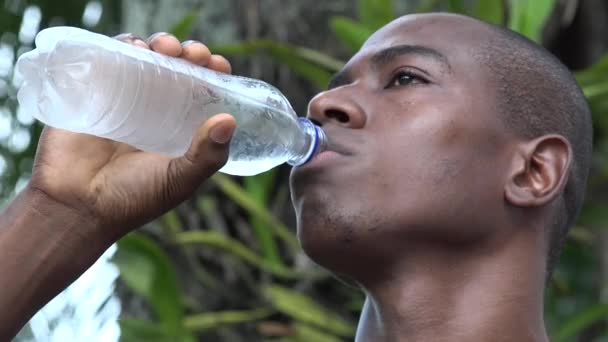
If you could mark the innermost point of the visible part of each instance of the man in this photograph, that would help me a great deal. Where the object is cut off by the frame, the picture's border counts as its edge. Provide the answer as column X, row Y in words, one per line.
column 458, row 160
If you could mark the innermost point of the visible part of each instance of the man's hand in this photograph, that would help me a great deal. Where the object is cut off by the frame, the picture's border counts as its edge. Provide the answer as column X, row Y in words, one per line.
column 118, row 187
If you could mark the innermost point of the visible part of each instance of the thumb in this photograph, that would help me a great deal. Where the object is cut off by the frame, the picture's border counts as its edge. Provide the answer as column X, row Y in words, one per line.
column 208, row 152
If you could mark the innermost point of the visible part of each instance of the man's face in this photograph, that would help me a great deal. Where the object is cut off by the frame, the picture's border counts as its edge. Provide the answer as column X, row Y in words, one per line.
column 418, row 147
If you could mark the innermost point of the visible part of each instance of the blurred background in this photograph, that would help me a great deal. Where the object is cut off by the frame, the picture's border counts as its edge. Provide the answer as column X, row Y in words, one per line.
column 225, row 265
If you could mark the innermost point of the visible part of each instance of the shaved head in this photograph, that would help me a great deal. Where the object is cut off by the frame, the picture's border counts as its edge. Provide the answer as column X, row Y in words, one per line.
column 537, row 95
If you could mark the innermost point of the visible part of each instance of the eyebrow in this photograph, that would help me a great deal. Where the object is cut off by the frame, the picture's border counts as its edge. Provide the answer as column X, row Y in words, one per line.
column 388, row 55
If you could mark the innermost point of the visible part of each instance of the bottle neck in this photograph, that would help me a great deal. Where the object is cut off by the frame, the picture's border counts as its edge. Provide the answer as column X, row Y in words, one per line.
column 315, row 142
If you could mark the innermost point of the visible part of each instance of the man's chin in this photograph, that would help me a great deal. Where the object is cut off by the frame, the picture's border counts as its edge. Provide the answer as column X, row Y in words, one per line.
column 323, row 253
column 314, row 238
column 328, row 241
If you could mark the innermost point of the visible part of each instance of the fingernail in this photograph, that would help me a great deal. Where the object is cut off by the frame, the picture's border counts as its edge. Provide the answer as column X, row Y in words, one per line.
column 128, row 37
column 221, row 134
column 188, row 42
column 156, row 35
column 134, row 37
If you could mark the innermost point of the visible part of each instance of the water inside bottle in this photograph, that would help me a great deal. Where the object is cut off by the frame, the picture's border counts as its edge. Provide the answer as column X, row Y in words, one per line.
column 264, row 137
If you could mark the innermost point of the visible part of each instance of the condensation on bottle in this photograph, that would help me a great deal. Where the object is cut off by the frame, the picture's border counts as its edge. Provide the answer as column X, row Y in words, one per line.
column 90, row 83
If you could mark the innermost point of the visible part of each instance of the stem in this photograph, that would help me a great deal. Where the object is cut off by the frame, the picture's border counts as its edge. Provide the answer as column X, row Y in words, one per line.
column 213, row 320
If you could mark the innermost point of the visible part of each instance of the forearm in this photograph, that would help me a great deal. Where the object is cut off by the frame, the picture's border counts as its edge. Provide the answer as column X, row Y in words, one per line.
column 44, row 246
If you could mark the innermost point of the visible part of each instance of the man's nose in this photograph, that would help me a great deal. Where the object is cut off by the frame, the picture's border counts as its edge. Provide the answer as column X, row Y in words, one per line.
column 336, row 108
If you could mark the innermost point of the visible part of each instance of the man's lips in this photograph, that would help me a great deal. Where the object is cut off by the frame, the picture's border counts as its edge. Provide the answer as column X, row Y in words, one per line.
column 326, row 156
column 335, row 150
column 339, row 140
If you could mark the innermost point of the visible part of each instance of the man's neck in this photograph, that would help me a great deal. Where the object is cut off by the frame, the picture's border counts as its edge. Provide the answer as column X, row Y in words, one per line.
column 490, row 294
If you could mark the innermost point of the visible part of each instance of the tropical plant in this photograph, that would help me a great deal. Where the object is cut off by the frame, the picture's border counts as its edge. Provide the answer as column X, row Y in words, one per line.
column 226, row 264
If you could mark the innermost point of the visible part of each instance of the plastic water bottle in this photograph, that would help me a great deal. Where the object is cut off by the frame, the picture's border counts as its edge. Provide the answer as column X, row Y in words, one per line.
column 90, row 83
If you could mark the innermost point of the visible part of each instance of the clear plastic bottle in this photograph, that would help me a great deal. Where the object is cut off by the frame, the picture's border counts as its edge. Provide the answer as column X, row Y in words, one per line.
column 90, row 83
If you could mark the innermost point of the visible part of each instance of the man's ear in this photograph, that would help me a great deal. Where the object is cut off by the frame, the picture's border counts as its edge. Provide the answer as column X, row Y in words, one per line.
column 538, row 171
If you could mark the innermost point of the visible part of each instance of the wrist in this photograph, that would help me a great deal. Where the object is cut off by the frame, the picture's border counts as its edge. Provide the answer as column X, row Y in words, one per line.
column 45, row 245
column 61, row 219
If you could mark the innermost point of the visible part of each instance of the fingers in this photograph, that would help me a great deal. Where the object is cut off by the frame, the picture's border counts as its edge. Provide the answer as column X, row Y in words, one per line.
column 133, row 39
column 214, row 134
column 207, row 154
column 165, row 43
column 219, row 63
column 191, row 50
column 196, row 52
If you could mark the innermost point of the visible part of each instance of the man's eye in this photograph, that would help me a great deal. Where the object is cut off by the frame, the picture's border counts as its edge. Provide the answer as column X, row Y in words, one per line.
column 405, row 78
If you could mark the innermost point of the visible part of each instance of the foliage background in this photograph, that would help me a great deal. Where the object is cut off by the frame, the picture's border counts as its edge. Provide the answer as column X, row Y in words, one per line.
column 225, row 265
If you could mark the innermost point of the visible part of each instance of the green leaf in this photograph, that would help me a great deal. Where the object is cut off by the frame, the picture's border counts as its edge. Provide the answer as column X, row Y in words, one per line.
column 182, row 29
column 594, row 214
column 303, row 308
column 264, row 45
column 560, row 283
column 582, row 235
column 309, row 64
column 593, row 74
column 214, row 320
column 306, row 333
column 170, row 223
column 595, row 87
column 136, row 270
column 427, row 6
column 132, row 330
column 596, row 90
column 351, row 33
column 308, row 71
column 236, row 248
column 528, row 16
column 236, row 193
column 578, row 323
column 148, row 271
column 490, row 11
column 260, row 187
column 456, row 6
column 376, row 13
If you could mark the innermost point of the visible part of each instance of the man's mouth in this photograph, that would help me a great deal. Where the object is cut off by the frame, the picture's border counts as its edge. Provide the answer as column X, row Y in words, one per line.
column 335, row 150
column 339, row 140
column 326, row 156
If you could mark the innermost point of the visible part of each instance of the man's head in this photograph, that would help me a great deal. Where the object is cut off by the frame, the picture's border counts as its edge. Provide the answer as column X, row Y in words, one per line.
column 449, row 132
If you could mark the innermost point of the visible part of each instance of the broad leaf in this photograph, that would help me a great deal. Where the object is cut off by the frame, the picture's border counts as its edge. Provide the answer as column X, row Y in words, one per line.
column 594, row 214
column 578, row 323
column 595, row 86
column 306, row 333
column 426, row 6
column 456, row 6
column 259, row 187
column 376, row 13
column 594, row 74
column 235, row 192
column 309, row 64
column 490, row 11
column 528, row 17
column 182, row 29
column 214, row 320
column 147, row 270
column 170, row 223
column 351, row 33
column 303, row 308
column 132, row 330
column 236, row 248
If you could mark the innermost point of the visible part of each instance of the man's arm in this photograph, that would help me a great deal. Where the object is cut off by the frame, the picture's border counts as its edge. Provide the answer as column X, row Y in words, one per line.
column 86, row 192
column 44, row 246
